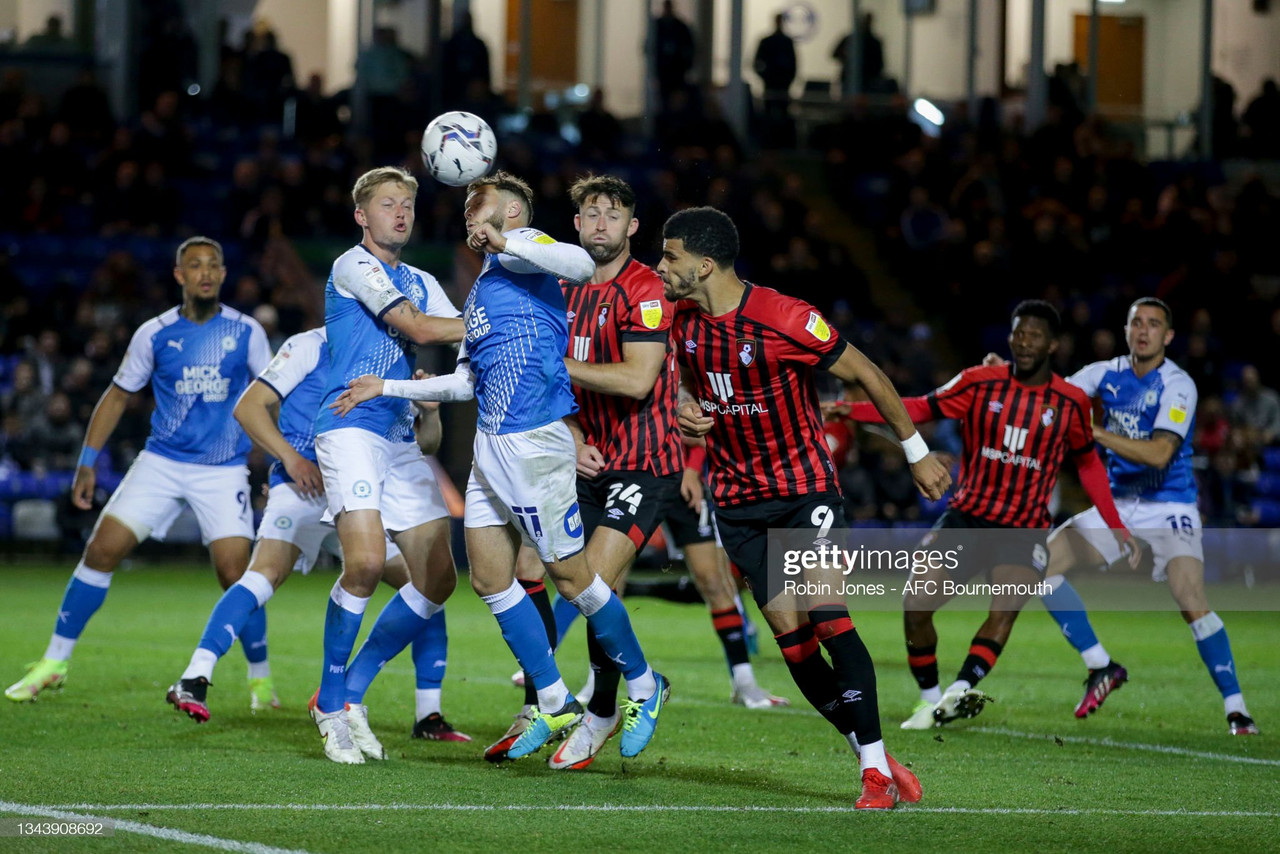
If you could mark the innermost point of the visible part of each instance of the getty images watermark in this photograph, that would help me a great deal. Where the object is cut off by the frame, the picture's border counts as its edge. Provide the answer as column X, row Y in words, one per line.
column 879, row 568
column 809, row 572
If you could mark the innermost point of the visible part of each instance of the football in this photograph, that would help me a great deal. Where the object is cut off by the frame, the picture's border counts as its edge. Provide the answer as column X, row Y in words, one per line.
column 458, row 147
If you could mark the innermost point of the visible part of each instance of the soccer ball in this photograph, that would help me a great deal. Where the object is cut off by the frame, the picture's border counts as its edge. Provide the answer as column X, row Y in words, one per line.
column 458, row 148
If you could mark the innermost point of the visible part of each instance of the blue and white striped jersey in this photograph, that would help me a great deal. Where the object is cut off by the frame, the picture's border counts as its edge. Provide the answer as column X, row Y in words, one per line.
column 1164, row 399
column 360, row 291
column 197, row 372
column 298, row 374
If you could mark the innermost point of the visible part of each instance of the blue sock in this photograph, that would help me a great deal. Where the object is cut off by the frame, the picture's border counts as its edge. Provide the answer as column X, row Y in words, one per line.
column 1067, row 608
column 395, row 628
column 341, row 626
column 253, row 636
column 431, row 652
column 525, row 634
column 80, row 601
column 613, row 630
column 228, row 621
column 566, row 612
column 1215, row 652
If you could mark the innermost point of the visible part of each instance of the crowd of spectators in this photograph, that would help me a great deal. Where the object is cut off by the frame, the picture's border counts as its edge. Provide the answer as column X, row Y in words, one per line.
column 968, row 222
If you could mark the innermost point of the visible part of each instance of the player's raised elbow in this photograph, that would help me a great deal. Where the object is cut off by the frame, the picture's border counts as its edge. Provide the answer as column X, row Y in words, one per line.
column 580, row 267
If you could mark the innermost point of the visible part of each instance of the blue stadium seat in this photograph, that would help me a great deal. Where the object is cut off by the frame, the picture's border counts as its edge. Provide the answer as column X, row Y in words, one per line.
column 6, row 520
column 1271, row 459
column 1268, row 513
column 1268, row 484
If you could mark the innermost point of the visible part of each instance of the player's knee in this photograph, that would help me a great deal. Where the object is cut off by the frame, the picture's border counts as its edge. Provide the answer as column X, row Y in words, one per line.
column 103, row 556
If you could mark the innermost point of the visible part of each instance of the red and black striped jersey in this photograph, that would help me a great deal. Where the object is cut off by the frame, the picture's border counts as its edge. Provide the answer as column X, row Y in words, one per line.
column 1015, row 438
column 631, row 435
column 752, row 370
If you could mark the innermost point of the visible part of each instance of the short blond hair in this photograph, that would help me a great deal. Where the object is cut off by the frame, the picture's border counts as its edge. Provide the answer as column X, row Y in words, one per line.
column 374, row 178
column 198, row 240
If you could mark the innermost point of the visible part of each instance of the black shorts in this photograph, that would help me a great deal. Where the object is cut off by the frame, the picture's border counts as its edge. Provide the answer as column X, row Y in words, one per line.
column 1004, row 546
column 689, row 527
column 744, row 533
column 633, row 502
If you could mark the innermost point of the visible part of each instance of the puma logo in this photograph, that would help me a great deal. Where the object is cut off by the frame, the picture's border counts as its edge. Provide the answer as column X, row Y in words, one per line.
column 1114, row 389
column 175, row 344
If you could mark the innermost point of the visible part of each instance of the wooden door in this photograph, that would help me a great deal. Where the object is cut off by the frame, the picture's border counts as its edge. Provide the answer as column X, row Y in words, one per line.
column 554, row 63
column 1121, row 46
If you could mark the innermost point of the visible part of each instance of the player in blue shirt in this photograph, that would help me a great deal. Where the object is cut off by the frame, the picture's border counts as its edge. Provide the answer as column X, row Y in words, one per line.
column 376, row 480
column 1149, row 407
column 279, row 412
column 523, row 482
column 198, row 358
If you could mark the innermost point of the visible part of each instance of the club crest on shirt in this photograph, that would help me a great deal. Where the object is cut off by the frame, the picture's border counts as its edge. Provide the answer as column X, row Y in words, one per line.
column 817, row 327
column 748, row 349
column 603, row 316
column 1151, row 397
column 228, row 343
column 651, row 313
column 1046, row 416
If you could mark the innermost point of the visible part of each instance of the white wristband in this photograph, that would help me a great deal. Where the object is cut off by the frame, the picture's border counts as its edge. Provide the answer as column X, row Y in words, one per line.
column 915, row 448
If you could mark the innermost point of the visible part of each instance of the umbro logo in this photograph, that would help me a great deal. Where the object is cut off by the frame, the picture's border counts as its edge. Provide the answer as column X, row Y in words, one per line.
column 175, row 344
column 852, row 696
column 995, row 406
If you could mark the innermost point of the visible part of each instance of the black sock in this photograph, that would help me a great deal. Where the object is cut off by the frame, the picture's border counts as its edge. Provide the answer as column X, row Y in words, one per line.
column 855, row 673
column 733, row 636
column 814, row 677
column 604, row 702
column 982, row 657
column 537, row 591
column 923, row 661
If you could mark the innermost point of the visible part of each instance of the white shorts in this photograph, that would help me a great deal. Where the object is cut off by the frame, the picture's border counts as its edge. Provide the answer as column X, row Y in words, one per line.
column 154, row 489
column 366, row 472
column 1172, row 529
column 295, row 520
column 529, row 480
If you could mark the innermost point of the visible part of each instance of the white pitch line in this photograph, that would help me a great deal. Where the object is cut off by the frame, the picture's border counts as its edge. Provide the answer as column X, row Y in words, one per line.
column 638, row 808
column 1128, row 745
column 168, row 834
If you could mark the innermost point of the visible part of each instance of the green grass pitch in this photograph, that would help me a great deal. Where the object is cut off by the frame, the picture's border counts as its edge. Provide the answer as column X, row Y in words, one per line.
column 1154, row 771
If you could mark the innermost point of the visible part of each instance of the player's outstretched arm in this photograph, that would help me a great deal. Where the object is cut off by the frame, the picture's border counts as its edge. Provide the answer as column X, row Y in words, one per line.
column 1155, row 452
column 633, row 377
column 106, row 415
column 1093, row 477
column 538, row 251
column 692, row 422
column 421, row 328
column 258, row 411
column 931, row 476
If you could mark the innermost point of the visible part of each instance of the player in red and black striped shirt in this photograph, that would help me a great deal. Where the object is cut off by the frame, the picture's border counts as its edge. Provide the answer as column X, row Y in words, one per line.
column 1020, row 421
column 748, row 355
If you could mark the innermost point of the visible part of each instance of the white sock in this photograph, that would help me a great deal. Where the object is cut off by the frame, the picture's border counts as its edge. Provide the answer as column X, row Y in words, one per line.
column 59, row 648
column 419, row 604
column 202, row 662
column 958, row 685
column 259, row 670
column 348, row 601
column 643, row 686
column 743, row 675
column 1095, row 657
column 553, row 697
column 931, row 695
column 598, row 723
column 873, row 756
column 593, row 598
column 426, row 701
column 1235, row 703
